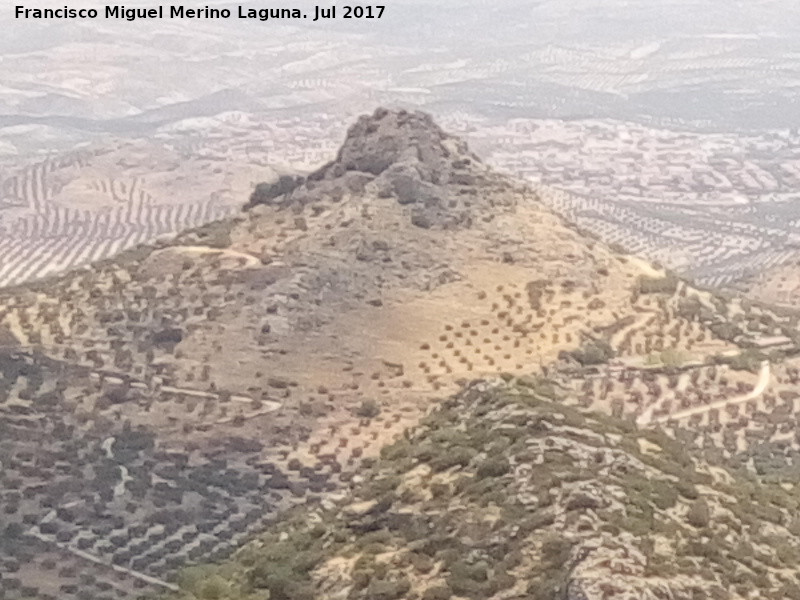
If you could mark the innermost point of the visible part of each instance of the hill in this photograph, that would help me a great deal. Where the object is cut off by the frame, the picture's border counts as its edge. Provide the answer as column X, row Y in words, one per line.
column 161, row 408
column 502, row 493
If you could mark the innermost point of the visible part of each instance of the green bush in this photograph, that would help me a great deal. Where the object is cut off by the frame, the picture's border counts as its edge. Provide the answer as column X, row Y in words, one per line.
column 214, row 588
column 447, row 458
column 593, row 353
column 437, row 592
column 699, row 514
column 381, row 589
column 556, row 551
column 749, row 360
column 201, row 582
column 540, row 385
column 689, row 308
column 672, row 357
column 725, row 331
column 282, row 582
column 397, row 451
column 787, row 554
column 665, row 494
column 686, row 489
column 657, row 285
column 537, row 520
column 476, row 572
column 421, row 562
column 369, row 409
column 216, row 234
column 493, row 467
column 790, row 591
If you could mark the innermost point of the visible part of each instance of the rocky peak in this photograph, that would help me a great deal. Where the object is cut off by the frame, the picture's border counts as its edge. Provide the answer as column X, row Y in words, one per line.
column 402, row 154
column 391, row 140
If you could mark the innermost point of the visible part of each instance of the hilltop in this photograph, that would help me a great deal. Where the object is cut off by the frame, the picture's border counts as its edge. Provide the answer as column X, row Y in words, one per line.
column 160, row 408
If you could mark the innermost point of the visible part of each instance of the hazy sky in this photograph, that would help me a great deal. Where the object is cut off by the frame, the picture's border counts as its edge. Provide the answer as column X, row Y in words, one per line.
column 597, row 54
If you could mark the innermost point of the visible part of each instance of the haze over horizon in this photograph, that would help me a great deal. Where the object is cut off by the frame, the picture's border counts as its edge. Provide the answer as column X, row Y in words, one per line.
column 675, row 62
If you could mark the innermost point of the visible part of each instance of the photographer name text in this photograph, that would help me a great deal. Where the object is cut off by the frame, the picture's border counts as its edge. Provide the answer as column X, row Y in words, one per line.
column 121, row 12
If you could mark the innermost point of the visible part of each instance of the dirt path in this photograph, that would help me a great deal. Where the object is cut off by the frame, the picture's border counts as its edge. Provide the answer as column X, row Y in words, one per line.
column 252, row 261
column 764, row 375
column 104, row 563
column 645, row 267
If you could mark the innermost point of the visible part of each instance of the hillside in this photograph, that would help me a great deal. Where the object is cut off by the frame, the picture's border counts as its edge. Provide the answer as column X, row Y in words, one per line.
column 502, row 493
column 160, row 408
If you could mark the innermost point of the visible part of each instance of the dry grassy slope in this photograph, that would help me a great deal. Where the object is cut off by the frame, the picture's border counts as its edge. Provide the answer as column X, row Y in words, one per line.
column 776, row 286
column 502, row 493
column 398, row 269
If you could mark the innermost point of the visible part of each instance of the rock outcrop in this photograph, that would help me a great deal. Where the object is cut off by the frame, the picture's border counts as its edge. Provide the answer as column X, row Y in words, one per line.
column 403, row 155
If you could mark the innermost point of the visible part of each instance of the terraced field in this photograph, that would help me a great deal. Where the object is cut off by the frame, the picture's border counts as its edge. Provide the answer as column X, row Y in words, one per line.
column 59, row 214
column 716, row 247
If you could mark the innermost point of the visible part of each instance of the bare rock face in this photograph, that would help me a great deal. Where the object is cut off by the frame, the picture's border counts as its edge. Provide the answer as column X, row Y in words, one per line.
column 271, row 193
column 406, row 156
column 388, row 139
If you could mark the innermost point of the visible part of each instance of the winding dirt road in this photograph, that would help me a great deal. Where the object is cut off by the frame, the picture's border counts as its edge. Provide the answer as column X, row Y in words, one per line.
column 764, row 373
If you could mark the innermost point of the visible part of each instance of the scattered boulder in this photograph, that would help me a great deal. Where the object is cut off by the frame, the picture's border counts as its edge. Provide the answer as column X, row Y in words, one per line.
column 273, row 192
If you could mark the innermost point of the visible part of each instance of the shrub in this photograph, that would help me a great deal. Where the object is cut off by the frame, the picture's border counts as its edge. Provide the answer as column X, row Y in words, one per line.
column 593, row 353
column 665, row 494
column 369, row 409
column 381, row 589
column 672, row 357
column 536, row 521
column 440, row 490
column 749, row 360
column 493, row 467
column 725, row 331
column 699, row 514
column 657, row 285
column 581, row 501
column 280, row 580
column 689, row 308
column 396, row 451
column 556, row 551
column 787, row 554
column 271, row 192
column 470, row 580
column 452, row 457
column 167, row 337
column 421, row 562
column 540, row 386
column 686, row 489
column 214, row 588
column 437, row 592
column 791, row 591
